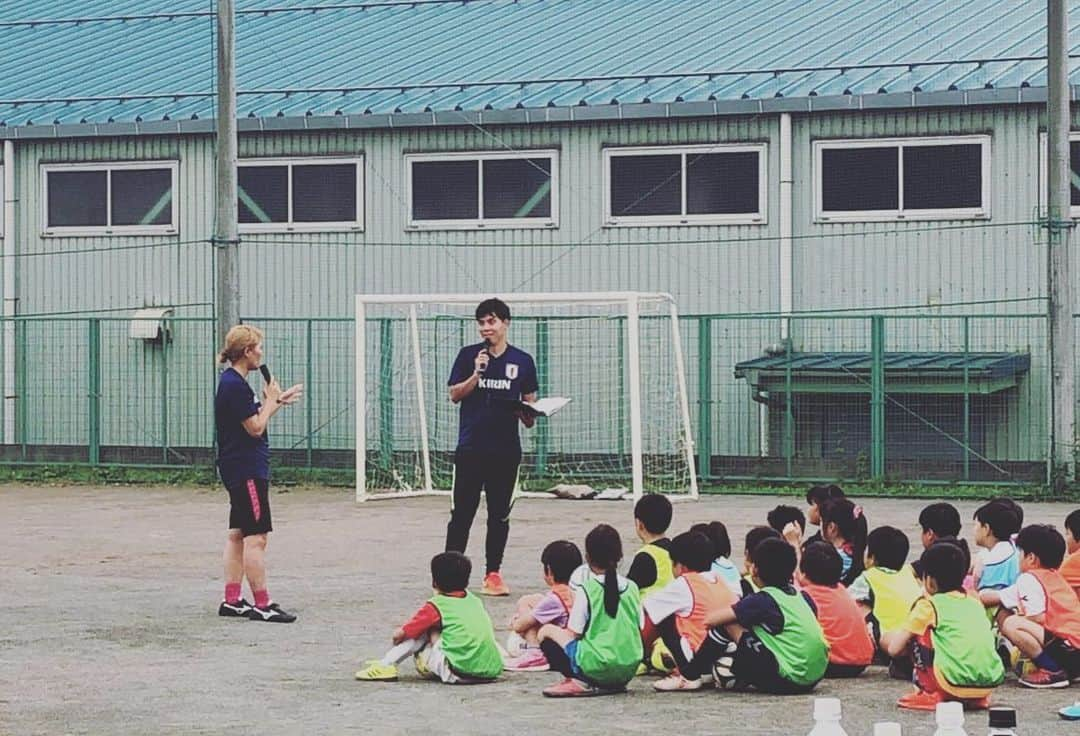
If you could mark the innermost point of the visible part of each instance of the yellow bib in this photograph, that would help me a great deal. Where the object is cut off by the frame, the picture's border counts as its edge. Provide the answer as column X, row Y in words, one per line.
column 894, row 595
column 662, row 560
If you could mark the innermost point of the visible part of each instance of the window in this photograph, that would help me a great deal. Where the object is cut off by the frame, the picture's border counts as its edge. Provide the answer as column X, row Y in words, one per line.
column 117, row 198
column 1074, row 173
column 902, row 178
column 300, row 194
column 685, row 185
column 483, row 190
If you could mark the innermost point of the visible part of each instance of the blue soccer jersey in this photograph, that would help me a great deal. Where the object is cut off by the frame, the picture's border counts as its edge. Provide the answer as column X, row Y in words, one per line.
column 488, row 423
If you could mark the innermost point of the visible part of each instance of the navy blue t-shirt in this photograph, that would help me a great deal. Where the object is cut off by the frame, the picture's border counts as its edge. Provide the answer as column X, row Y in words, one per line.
column 240, row 456
column 488, row 424
column 759, row 609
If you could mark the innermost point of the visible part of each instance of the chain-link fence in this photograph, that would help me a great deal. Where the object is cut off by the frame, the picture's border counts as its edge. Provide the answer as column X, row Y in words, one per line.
column 960, row 398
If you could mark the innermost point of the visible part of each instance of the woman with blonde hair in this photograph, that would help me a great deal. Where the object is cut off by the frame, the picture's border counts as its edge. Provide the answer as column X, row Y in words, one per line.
column 244, row 465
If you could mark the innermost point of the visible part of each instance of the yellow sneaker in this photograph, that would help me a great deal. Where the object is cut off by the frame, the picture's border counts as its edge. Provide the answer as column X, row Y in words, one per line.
column 421, row 665
column 661, row 659
column 642, row 669
column 376, row 671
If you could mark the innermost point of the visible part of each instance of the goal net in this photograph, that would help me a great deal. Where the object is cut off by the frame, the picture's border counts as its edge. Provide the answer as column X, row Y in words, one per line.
column 616, row 355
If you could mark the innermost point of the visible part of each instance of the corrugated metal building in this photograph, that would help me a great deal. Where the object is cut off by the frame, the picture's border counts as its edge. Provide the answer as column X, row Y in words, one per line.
column 500, row 146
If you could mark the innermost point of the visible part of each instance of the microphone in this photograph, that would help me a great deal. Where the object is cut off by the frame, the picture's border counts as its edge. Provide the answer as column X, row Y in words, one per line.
column 265, row 373
column 487, row 344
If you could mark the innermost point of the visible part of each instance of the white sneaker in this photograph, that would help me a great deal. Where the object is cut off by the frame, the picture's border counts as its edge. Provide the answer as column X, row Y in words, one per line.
column 515, row 644
column 677, row 683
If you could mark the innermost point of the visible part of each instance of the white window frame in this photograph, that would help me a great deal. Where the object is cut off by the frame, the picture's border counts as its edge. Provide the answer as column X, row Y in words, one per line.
column 290, row 226
column 900, row 214
column 743, row 218
column 109, row 166
column 1044, row 174
column 3, row 202
column 484, row 223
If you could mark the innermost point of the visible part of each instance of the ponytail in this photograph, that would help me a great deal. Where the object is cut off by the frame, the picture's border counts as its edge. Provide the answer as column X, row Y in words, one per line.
column 237, row 342
column 851, row 524
column 603, row 548
column 611, row 591
column 858, row 543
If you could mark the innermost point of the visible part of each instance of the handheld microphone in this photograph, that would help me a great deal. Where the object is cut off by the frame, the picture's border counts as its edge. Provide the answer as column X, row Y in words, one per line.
column 265, row 373
column 487, row 344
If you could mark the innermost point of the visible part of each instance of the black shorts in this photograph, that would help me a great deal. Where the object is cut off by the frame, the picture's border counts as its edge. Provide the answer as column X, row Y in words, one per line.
column 249, row 506
column 755, row 665
column 1062, row 652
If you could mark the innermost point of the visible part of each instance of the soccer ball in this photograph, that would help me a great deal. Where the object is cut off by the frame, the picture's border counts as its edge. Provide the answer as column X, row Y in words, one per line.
column 723, row 677
column 515, row 644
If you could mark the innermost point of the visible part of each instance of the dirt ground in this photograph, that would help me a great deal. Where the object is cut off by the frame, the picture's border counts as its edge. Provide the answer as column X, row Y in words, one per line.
column 108, row 623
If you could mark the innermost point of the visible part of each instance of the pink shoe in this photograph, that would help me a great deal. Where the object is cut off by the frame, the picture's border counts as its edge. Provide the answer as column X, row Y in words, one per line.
column 570, row 688
column 530, row 660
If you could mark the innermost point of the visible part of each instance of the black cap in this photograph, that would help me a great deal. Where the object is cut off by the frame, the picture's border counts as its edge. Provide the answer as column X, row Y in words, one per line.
column 1002, row 718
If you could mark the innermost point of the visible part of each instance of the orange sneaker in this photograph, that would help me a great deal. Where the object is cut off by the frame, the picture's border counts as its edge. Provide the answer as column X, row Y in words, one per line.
column 920, row 700
column 494, row 585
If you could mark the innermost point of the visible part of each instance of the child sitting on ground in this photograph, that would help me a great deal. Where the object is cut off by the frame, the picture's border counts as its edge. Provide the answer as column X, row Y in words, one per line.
column 1070, row 568
column 850, row 647
column 1040, row 612
column 940, row 522
column 676, row 613
column 815, row 498
column 948, row 637
column 754, row 537
column 450, row 637
column 722, row 564
column 651, row 567
column 887, row 589
column 998, row 564
column 559, row 560
column 769, row 640
column 600, row 649
column 843, row 525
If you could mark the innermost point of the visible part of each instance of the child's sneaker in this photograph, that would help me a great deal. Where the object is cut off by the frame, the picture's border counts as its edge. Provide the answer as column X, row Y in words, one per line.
column 677, row 683
column 271, row 614
column 494, row 585
column 1040, row 678
column 921, row 700
column 234, row 610
column 1071, row 712
column 661, row 660
column 530, row 660
column 515, row 644
column 376, row 671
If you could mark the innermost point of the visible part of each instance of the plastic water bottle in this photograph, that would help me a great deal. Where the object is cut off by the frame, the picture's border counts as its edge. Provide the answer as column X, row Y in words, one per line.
column 887, row 729
column 827, row 718
column 1002, row 721
column 950, row 719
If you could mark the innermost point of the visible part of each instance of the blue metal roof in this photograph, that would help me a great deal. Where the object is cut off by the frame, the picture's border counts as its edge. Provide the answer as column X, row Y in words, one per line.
column 72, row 63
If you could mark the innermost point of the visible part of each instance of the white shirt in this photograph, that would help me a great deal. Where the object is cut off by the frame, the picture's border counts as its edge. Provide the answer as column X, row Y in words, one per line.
column 674, row 598
column 1026, row 596
column 579, row 612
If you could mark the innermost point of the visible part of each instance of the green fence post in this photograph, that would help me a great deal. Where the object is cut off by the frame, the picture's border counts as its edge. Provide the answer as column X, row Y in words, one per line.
column 621, row 398
column 704, row 442
column 789, row 413
column 309, row 409
column 543, row 433
column 165, row 332
column 877, row 397
column 94, row 392
column 386, row 394
column 967, row 403
column 21, row 387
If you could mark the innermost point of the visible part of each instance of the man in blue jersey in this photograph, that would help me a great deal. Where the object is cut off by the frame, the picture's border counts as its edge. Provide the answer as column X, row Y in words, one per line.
column 489, row 449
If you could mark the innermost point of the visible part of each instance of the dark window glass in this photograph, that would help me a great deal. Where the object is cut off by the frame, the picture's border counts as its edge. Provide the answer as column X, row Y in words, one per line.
column 1074, row 173
column 264, row 193
column 445, row 190
column 77, row 198
column 854, row 179
column 721, row 183
column 517, row 188
column 646, row 185
column 141, row 197
column 942, row 177
column 324, row 193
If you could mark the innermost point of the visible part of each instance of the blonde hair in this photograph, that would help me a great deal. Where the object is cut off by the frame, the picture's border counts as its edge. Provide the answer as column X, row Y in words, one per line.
column 237, row 342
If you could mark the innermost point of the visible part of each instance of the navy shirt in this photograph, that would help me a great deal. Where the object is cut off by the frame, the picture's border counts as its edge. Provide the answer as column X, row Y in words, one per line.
column 488, row 424
column 759, row 609
column 240, row 456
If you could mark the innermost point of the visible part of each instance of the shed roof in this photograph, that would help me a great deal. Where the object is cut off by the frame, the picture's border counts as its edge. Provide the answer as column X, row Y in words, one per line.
column 331, row 63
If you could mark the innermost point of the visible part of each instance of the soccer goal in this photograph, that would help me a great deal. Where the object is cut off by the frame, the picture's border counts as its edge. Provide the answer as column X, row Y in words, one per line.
column 617, row 355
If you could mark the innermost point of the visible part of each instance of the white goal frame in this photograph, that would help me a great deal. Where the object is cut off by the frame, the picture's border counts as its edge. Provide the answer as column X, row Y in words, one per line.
column 631, row 300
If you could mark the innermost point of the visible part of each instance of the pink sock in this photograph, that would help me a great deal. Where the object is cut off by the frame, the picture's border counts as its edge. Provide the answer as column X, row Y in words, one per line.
column 262, row 598
column 232, row 592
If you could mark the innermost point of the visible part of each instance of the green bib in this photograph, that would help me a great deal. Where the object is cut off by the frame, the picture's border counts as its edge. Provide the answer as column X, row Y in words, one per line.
column 610, row 650
column 468, row 640
column 800, row 649
column 964, row 643
column 662, row 559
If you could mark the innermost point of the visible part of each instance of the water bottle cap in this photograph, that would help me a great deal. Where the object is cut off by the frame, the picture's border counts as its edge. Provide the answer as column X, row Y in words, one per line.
column 950, row 714
column 826, row 708
column 1001, row 717
column 887, row 729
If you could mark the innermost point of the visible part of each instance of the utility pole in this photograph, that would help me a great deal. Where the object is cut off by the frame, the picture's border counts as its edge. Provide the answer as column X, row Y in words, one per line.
column 226, row 238
column 1059, row 277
